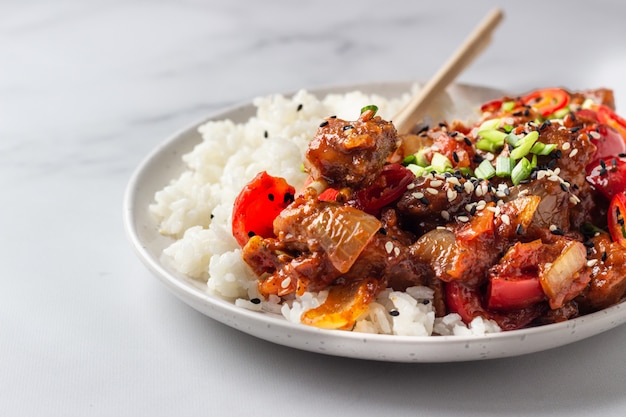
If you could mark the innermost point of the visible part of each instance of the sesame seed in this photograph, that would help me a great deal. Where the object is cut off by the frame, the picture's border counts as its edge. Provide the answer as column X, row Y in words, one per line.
column 436, row 183
column 563, row 187
column 592, row 262
column 573, row 153
column 566, row 146
column 324, row 123
column 285, row 283
column 445, row 215
column 255, row 300
column 396, row 251
column 505, row 219
column 432, row 191
column 594, row 134
column 425, row 201
column 604, row 255
column 519, row 229
column 574, row 199
column 270, row 197
column 418, row 195
column 299, row 107
column 348, row 127
column 410, row 186
column 265, row 134
column 388, row 247
column 588, row 244
column 455, row 157
column 463, row 219
column 469, row 187
column 394, row 313
column 451, row 194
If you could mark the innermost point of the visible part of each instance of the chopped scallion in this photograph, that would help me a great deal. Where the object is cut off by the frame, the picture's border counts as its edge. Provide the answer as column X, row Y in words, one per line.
column 521, row 171
column 370, row 107
column 542, row 148
column 490, row 124
column 504, row 166
column 485, row 170
column 487, row 145
column 495, row 136
column 409, row 159
column 523, row 145
column 440, row 162
column 507, row 106
column 417, row 170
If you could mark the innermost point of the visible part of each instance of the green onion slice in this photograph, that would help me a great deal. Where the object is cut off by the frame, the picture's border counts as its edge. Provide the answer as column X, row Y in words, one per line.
column 504, row 166
column 370, row 107
column 524, row 145
column 485, row 170
column 440, row 162
column 521, row 171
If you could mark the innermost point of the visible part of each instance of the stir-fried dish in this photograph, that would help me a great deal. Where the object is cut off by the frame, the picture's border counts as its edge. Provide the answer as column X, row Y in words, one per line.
column 517, row 218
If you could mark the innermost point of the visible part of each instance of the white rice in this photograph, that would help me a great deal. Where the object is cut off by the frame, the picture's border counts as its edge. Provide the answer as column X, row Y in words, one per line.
column 196, row 208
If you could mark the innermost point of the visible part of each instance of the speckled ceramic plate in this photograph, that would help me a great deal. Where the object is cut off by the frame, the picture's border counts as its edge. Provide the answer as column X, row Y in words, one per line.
column 164, row 163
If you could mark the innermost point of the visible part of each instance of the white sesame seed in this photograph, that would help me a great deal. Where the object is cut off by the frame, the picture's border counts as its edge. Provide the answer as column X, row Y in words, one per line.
column 445, row 215
column 285, row 283
column 469, row 187
column 410, row 186
column 594, row 134
column 554, row 178
column 436, row 183
column 389, row 247
column 553, row 227
column 505, row 219
column 479, row 191
column 592, row 262
column 418, row 195
column 396, row 251
column 432, row 191
column 441, row 228
column 468, row 207
column 541, row 174
column 463, row 219
column 573, row 153
column 574, row 199
column 451, row 194
column 500, row 203
column 566, row 146
column 490, row 157
column 557, row 171
column 453, row 180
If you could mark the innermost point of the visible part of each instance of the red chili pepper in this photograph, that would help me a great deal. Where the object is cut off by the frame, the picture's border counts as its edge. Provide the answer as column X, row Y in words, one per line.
column 547, row 101
column 388, row 187
column 513, row 293
column 610, row 118
column 617, row 211
column 258, row 204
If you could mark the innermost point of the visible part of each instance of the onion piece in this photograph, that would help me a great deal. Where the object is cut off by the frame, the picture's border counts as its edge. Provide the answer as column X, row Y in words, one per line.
column 558, row 277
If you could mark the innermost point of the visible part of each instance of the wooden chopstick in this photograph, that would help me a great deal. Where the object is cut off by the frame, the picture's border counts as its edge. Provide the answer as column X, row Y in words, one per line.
column 477, row 41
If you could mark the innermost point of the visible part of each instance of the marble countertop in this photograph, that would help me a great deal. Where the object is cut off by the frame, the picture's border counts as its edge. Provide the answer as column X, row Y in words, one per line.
column 89, row 88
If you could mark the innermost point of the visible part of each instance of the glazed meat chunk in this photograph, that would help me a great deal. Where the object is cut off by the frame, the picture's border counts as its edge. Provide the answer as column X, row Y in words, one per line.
column 350, row 154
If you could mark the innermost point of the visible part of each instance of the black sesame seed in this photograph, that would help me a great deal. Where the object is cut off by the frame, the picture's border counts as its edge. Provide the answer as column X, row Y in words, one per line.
column 588, row 243
column 425, row 302
column 604, row 256
column 266, row 134
column 425, row 201
column 270, row 197
column 348, row 127
column 382, row 231
column 453, row 134
column 477, row 159
column 394, row 313
column 467, row 141
column 251, row 234
column 443, row 124
column 557, row 154
column 455, row 157
column 602, row 163
column 563, row 187
column 575, row 129
column 614, row 163
column 288, row 198
column 527, row 112
column 423, row 129
column 517, row 113
column 255, row 301
column 622, row 155
column 558, row 232
column 519, row 229
column 212, row 215
column 603, row 172
column 324, row 123
column 458, row 188
column 473, row 210
column 332, row 117
column 299, row 107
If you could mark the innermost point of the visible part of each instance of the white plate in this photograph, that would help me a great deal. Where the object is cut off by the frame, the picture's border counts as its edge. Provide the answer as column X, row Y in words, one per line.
column 164, row 163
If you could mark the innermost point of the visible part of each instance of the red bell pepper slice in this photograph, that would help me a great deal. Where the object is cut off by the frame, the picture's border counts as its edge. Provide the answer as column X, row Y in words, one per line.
column 617, row 211
column 504, row 293
column 547, row 101
column 258, row 204
column 608, row 175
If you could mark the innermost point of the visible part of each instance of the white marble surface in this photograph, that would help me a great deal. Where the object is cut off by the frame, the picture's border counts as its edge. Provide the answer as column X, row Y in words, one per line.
column 88, row 88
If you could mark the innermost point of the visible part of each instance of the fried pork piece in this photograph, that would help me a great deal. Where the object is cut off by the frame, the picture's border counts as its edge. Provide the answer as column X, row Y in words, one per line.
column 608, row 274
column 350, row 154
column 320, row 243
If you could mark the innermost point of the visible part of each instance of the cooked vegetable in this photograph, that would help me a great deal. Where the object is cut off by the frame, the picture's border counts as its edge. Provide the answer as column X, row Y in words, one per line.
column 617, row 210
column 258, row 204
column 547, row 101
